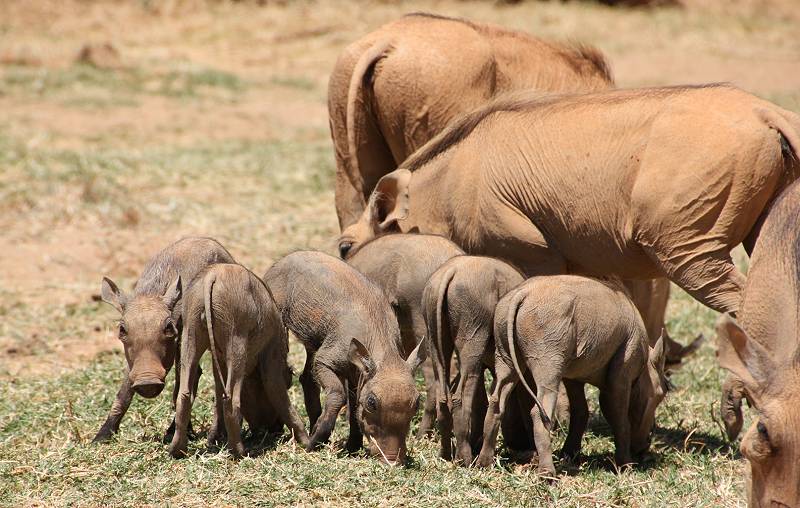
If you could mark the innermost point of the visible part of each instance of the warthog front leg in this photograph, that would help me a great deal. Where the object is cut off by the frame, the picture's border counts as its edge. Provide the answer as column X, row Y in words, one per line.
column 429, row 411
column 310, row 389
column 335, row 401
column 171, row 429
column 188, row 389
column 578, row 418
column 614, row 403
column 355, row 440
column 118, row 410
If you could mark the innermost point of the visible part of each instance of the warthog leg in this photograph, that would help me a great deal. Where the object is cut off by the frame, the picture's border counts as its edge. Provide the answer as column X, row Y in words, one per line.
column 614, row 403
column 506, row 380
column 310, row 389
column 118, row 410
column 188, row 389
column 578, row 418
column 334, row 402
column 272, row 364
column 429, row 409
column 355, row 440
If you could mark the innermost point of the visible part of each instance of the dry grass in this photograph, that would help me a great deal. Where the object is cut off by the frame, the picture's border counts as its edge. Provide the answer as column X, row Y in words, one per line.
column 215, row 123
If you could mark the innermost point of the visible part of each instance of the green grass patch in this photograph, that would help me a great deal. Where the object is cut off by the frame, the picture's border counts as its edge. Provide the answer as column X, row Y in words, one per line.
column 46, row 457
column 296, row 82
column 83, row 85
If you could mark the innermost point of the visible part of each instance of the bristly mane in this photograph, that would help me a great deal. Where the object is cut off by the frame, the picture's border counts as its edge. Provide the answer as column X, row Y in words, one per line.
column 577, row 55
column 423, row 14
column 580, row 52
column 524, row 101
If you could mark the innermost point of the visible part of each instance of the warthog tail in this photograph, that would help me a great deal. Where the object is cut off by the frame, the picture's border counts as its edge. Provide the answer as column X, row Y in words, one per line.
column 208, row 287
column 362, row 76
column 441, row 297
column 511, row 323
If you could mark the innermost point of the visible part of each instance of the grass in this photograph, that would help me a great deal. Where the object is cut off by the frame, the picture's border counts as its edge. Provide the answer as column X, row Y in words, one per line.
column 217, row 125
column 53, row 419
column 85, row 80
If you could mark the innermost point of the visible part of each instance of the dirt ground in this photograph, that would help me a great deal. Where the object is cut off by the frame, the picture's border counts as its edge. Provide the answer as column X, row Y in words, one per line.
column 80, row 146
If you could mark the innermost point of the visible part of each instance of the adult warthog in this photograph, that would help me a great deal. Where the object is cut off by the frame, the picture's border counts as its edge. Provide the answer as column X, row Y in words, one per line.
column 395, row 88
column 763, row 354
column 633, row 183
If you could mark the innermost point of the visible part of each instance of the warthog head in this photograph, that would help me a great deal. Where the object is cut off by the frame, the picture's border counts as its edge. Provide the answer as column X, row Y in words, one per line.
column 772, row 444
column 648, row 391
column 148, row 332
column 388, row 400
column 387, row 204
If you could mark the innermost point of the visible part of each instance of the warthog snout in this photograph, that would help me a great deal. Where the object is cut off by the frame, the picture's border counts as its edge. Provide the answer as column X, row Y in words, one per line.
column 388, row 452
column 148, row 388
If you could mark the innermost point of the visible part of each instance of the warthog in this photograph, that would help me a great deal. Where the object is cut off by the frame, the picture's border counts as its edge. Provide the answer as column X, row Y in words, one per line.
column 353, row 347
column 576, row 330
column 394, row 89
column 458, row 306
column 230, row 311
column 151, row 323
column 401, row 265
column 762, row 352
column 602, row 183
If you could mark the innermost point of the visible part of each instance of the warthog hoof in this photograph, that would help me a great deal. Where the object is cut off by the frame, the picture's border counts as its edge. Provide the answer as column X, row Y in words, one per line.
column 103, row 436
column 484, row 460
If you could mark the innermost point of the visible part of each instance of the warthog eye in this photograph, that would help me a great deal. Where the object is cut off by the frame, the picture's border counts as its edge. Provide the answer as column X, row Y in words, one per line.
column 762, row 431
column 758, row 446
column 344, row 248
column 371, row 404
column 170, row 330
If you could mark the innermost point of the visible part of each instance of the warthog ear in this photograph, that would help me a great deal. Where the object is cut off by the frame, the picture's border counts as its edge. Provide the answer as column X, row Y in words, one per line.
column 112, row 295
column 744, row 357
column 359, row 356
column 389, row 200
column 173, row 293
column 418, row 355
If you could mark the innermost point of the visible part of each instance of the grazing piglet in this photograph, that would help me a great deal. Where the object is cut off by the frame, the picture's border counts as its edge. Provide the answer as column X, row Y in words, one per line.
column 351, row 336
column 458, row 305
column 230, row 311
column 401, row 265
column 579, row 330
column 150, row 326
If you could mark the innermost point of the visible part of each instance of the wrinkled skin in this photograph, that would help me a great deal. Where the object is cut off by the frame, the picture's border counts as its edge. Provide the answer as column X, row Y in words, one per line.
column 625, row 164
column 151, row 323
column 458, row 305
column 353, row 352
column 395, row 88
column 230, row 311
column 576, row 330
column 761, row 352
column 401, row 265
